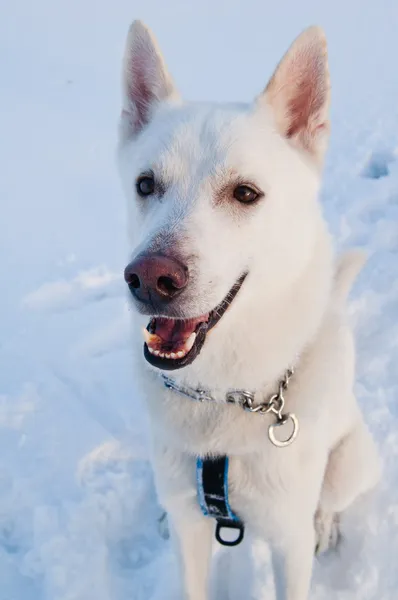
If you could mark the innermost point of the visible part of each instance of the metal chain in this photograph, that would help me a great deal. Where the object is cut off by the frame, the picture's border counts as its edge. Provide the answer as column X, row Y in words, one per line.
column 275, row 403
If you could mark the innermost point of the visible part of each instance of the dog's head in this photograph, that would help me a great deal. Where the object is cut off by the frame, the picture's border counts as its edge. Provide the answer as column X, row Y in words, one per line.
column 219, row 196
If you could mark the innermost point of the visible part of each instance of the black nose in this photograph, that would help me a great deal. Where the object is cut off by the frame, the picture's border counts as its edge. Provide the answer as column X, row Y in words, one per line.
column 156, row 278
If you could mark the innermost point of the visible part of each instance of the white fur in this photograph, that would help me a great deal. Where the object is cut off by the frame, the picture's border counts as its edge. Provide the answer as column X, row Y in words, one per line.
column 290, row 311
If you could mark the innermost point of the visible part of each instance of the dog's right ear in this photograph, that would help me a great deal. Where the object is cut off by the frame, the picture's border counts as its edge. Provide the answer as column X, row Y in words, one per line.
column 146, row 81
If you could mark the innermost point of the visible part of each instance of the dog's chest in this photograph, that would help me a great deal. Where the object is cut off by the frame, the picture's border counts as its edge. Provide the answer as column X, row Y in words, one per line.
column 261, row 475
column 262, row 482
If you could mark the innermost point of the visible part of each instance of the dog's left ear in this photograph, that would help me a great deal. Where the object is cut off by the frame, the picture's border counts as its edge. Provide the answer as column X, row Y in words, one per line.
column 146, row 80
column 299, row 93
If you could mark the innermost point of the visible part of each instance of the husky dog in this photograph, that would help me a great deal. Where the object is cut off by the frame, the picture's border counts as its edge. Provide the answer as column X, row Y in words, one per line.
column 234, row 282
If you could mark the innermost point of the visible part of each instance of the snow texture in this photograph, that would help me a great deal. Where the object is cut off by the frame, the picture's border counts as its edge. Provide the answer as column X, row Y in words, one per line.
column 78, row 510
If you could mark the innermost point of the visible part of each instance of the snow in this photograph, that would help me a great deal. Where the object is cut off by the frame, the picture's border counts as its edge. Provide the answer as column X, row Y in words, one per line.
column 78, row 511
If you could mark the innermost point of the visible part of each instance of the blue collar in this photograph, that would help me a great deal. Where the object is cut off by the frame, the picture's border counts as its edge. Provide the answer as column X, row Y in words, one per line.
column 212, row 484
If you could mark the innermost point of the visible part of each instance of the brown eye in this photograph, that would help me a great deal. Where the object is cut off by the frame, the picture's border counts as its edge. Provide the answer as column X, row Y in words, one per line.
column 145, row 185
column 245, row 194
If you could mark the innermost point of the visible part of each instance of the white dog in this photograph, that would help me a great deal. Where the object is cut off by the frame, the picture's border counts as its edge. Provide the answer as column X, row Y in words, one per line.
column 234, row 282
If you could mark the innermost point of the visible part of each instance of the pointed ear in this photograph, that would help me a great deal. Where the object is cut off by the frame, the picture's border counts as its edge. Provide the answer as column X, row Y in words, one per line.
column 299, row 93
column 146, row 81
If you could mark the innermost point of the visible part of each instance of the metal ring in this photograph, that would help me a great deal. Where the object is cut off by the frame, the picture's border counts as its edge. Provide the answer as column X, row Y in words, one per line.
column 271, row 430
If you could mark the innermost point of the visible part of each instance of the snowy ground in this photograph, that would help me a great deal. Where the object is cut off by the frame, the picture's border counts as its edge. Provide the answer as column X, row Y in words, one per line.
column 77, row 506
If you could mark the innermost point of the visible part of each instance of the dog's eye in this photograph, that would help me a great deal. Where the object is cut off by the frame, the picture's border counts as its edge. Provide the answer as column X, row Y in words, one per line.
column 145, row 185
column 245, row 194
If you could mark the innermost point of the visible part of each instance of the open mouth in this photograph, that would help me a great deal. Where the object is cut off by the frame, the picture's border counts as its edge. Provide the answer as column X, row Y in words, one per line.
column 175, row 343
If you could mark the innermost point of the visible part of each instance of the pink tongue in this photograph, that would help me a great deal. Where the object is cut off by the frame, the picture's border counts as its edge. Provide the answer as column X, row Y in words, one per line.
column 176, row 330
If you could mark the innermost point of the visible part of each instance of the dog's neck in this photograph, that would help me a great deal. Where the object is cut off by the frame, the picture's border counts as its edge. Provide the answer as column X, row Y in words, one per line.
column 254, row 345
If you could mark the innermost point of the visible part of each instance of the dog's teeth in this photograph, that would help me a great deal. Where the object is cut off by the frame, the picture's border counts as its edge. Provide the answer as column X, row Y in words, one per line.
column 190, row 342
column 150, row 338
column 147, row 335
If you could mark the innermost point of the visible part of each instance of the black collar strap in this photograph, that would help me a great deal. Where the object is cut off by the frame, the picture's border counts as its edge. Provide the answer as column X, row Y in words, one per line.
column 212, row 482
